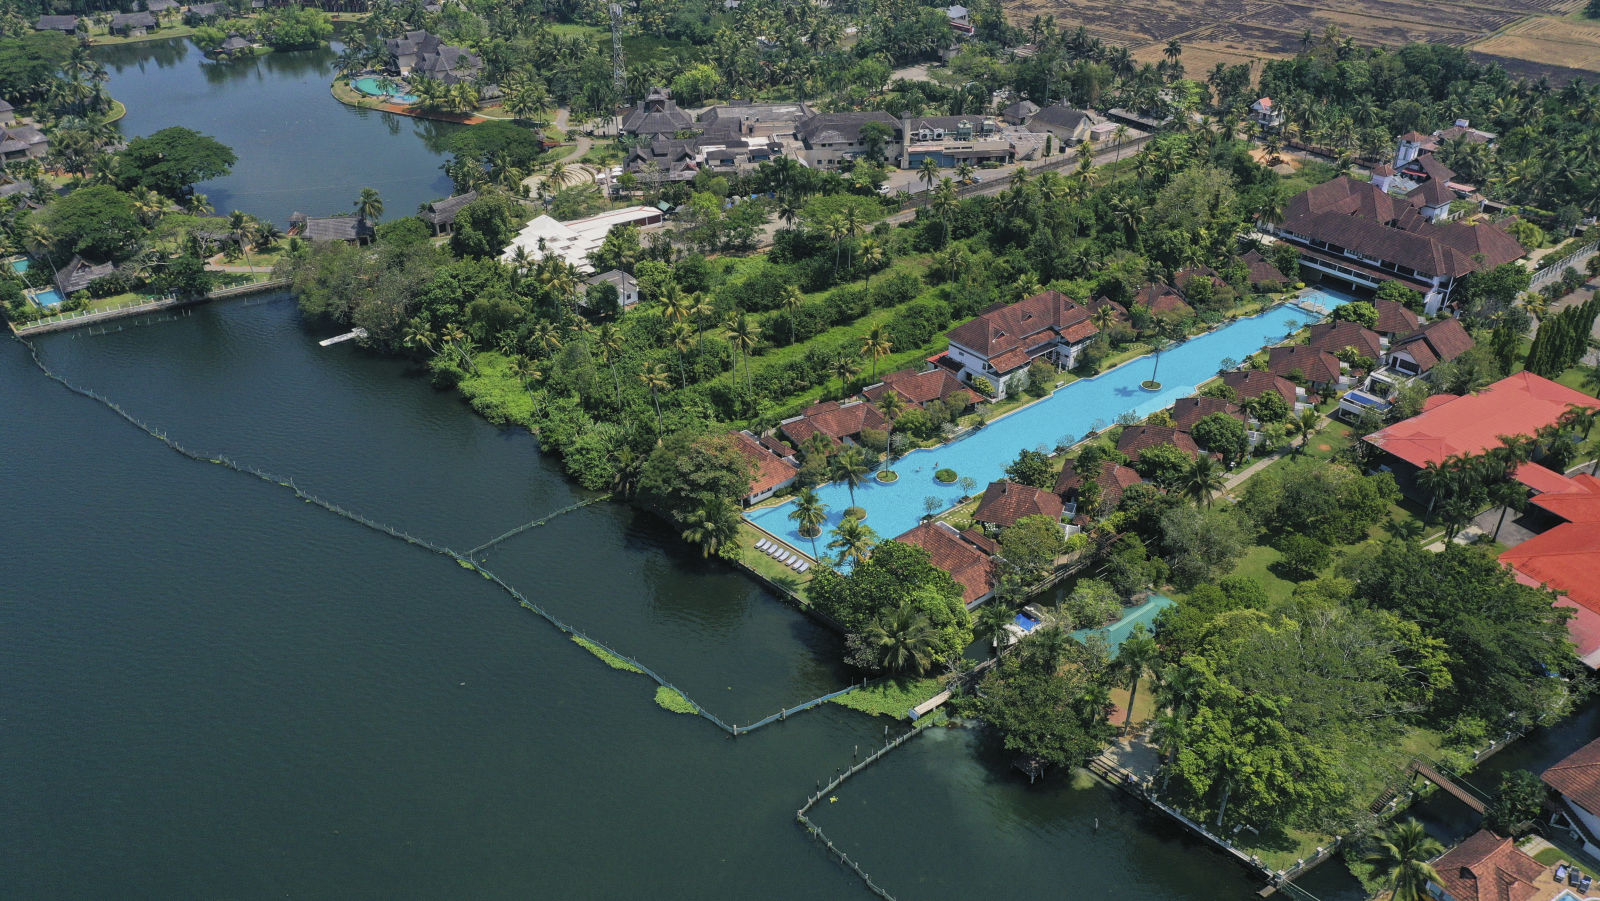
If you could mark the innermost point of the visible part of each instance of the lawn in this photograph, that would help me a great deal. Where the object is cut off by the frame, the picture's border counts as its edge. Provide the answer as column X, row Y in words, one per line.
column 768, row 568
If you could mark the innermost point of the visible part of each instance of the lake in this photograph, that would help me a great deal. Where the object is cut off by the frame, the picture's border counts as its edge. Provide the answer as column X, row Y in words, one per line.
column 299, row 149
column 214, row 689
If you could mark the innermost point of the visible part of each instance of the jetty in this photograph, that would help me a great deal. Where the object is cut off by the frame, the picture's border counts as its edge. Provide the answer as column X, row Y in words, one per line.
column 354, row 333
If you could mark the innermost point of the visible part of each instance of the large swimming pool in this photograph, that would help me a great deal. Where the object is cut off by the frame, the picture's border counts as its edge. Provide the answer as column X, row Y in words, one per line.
column 375, row 87
column 1083, row 406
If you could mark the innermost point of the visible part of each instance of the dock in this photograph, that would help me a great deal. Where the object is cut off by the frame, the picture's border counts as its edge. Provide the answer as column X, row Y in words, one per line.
column 351, row 335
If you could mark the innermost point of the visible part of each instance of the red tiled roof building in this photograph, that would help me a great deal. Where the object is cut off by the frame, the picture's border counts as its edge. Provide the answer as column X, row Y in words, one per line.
column 1486, row 867
column 1251, row 383
column 1437, row 342
column 967, row 556
column 772, row 472
column 1005, row 502
column 1004, row 339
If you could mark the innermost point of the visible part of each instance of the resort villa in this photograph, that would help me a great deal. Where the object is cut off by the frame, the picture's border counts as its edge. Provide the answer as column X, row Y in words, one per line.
column 841, row 421
column 1576, row 781
column 1357, row 232
column 773, row 462
column 1005, row 502
column 918, row 389
column 1001, row 342
column 1486, row 867
column 425, row 54
column 966, row 555
column 1438, row 342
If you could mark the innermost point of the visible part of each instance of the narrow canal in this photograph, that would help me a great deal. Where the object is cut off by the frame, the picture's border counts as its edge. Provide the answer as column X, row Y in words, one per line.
column 299, row 149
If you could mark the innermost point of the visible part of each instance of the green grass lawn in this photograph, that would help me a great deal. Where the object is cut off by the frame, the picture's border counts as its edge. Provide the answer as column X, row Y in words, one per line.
column 750, row 536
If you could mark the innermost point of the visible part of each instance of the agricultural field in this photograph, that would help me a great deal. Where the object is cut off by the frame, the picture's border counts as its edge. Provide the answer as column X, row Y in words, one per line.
column 1530, row 38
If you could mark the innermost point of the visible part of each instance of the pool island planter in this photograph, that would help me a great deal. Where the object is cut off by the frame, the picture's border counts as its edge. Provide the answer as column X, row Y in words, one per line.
column 887, row 476
column 1150, row 385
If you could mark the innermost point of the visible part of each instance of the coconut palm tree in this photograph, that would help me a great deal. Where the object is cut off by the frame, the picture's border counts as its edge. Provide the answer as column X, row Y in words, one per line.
column 876, row 344
column 1137, row 657
column 744, row 335
column 928, row 172
column 809, row 514
column 990, row 624
column 197, row 205
column 243, row 229
column 1401, row 857
column 902, row 640
column 891, row 405
column 712, row 527
column 849, row 467
column 369, row 205
column 525, row 370
column 654, row 376
column 1508, row 495
column 845, row 368
column 1304, row 424
column 790, row 302
column 853, row 540
column 1202, row 480
column 609, row 341
column 943, row 204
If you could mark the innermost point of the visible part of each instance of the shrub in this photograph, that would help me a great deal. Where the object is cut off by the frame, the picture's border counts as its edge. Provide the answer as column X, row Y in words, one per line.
column 983, row 386
column 947, row 475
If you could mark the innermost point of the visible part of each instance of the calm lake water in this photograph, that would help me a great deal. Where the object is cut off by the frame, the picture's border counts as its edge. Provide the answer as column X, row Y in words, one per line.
column 215, row 690
column 299, row 149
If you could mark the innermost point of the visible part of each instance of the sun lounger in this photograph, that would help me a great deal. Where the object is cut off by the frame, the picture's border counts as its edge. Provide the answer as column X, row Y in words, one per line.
column 796, row 564
column 1574, row 876
column 763, row 544
column 804, row 565
column 1584, row 886
column 774, row 551
column 780, row 555
column 786, row 559
column 1561, row 873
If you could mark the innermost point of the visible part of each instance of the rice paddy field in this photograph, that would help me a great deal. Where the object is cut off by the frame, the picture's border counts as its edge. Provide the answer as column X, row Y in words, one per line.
column 1530, row 38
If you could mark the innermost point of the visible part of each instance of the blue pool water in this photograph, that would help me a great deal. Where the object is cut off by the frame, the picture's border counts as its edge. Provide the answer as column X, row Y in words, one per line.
column 896, row 507
column 1026, row 622
column 1118, row 631
column 47, row 298
column 19, row 265
column 368, row 84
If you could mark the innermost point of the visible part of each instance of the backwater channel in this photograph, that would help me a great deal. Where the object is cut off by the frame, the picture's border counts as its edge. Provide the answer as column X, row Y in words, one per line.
column 214, row 689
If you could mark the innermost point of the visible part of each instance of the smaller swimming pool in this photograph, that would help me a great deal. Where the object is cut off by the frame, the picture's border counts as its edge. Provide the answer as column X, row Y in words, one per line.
column 372, row 86
column 1026, row 622
column 49, row 297
column 19, row 265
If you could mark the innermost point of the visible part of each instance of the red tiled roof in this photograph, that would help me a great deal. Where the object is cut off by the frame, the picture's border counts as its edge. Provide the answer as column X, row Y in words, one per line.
column 836, row 419
column 770, row 470
column 1336, row 336
column 1190, row 410
column 1160, row 299
column 1262, row 271
column 966, row 556
column 1182, row 277
column 1255, row 382
column 1003, row 329
column 1114, row 479
column 1357, row 216
column 918, row 388
column 1004, row 502
column 1136, row 439
column 1575, row 500
column 1486, row 867
column 1577, row 776
column 1520, row 404
column 1437, row 342
column 1318, row 366
column 1566, row 558
column 1010, row 360
column 1119, row 313
column 1395, row 318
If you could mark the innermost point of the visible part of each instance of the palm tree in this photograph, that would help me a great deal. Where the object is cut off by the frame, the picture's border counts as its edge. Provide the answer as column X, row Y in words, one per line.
column 809, row 514
column 1305, row 425
column 744, row 335
column 790, row 302
column 369, row 205
column 943, row 204
column 1402, row 856
column 655, row 377
column 714, row 526
column 876, row 344
column 1435, row 480
column 891, row 405
column 902, row 639
column 1158, row 343
column 610, row 343
column 1407, row 530
column 1137, row 656
column 853, row 541
column 849, row 467
column 1507, row 496
column 845, row 368
column 524, row 370
column 243, row 229
column 1202, row 480
column 990, row 626
column 928, row 172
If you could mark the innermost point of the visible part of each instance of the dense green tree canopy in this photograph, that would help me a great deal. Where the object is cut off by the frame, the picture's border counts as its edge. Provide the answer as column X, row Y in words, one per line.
column 172, row 161
column 98, row 222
